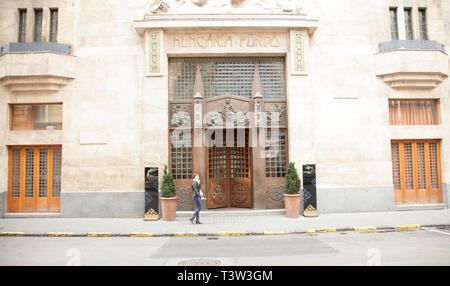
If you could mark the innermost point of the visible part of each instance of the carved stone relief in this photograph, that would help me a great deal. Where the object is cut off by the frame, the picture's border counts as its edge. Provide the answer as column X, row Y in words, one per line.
column 180, row 115
column 276, row 112
column 228, row 115
column 275, row 192
column 225, row 6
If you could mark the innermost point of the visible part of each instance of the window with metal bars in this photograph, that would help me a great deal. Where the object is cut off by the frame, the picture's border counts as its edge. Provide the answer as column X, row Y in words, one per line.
column 276, row 153
column 223, row 76
column 181, row 154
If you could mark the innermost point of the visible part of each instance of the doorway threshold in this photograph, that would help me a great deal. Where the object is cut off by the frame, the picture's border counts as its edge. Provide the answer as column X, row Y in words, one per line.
column 417, row 207
column 31, row 215
column 232, row 212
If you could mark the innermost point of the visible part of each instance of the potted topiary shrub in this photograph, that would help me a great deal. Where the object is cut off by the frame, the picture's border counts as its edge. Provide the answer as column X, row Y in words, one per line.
column 292, row 197
column 169, row 197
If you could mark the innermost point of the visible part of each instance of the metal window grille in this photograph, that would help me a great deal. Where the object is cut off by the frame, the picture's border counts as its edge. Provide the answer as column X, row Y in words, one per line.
column 222, row 76
column 56, row 172
column 15, row 182
column 43, row 172
column 29, row 173
column 181, row 154
column 217, row 163
column 275, row 153
column 434, row 172
column 396, row 166
column 409, row 176
column 421, row 174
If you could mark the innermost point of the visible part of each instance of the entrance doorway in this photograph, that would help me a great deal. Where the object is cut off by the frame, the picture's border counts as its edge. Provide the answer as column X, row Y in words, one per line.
column 416, row 169
column 229, row 169
column 34, row 179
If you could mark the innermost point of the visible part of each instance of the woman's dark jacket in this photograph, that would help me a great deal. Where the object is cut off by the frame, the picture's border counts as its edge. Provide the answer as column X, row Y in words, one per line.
column 196, row 188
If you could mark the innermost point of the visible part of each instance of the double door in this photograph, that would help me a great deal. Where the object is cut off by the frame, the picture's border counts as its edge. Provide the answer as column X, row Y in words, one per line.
column 229, row 170
column 34, row 179
column 416, row 167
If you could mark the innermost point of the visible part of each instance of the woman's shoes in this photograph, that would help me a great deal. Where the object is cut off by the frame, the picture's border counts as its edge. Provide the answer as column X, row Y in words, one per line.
column 191, row 219
column 198, row 222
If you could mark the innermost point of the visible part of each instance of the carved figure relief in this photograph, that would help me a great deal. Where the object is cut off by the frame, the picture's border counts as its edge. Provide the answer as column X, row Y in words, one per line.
column 180, row 116
column 225, row 6
column 276, row 114
column 227, row 115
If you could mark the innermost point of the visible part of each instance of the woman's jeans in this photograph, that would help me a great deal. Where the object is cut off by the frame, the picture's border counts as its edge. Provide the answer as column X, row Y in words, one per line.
column 198, row 206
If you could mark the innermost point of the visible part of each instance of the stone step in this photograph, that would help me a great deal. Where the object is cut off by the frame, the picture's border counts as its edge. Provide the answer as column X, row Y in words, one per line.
column 232, row 212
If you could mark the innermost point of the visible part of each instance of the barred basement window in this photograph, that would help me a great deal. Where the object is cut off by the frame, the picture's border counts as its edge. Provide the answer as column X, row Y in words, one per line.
column 222, row 76
column 423, row 23
column 22, row 25
column 181, row 154
column 394, row 24
column 37, row 36
column 275, row 153
column 413, row 112
column 53, row 24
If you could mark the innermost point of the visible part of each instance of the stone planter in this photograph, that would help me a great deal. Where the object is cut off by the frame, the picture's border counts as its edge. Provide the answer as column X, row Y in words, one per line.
column 169, row 208
column 292, row 205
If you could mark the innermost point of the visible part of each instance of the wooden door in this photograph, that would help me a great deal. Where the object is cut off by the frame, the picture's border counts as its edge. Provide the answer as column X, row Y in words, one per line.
column 416, row 171
column 34, row 179
column 229, row 173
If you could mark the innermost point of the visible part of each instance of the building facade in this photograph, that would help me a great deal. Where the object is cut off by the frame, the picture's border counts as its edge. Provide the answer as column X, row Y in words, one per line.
column 94, row 92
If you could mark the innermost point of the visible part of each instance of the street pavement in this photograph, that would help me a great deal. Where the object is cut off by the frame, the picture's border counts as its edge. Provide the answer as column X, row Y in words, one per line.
column 420, row 246
column 227, row 223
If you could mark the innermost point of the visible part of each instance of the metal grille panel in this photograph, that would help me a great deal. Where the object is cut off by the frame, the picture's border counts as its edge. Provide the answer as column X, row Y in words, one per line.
column 434, row 175
column 275, row 153
column 15, row 184
column 56, row 172
column 43, row 173
column 222, row 76
column 29, row 173
column 396, row 166
column 421, row 174
column 181, row 154
column 409, row 179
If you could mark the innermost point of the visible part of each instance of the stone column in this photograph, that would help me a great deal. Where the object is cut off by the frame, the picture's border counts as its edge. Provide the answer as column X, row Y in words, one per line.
column 258, row 162
column 198, row 150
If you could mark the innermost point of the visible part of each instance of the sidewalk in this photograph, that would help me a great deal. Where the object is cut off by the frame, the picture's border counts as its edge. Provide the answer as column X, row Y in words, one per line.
column 223, row 224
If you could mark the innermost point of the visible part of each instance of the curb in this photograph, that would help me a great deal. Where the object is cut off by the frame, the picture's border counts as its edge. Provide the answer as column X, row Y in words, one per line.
column 398, row 228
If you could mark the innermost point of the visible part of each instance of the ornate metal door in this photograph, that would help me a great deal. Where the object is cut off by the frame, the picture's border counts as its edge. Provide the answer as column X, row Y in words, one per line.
column 229, row 174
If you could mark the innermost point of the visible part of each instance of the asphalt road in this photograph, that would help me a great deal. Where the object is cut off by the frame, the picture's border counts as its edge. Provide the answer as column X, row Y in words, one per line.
column 417, row 247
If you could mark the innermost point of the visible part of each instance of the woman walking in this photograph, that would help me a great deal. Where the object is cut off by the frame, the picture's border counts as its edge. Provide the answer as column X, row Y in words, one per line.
column 196, row 196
